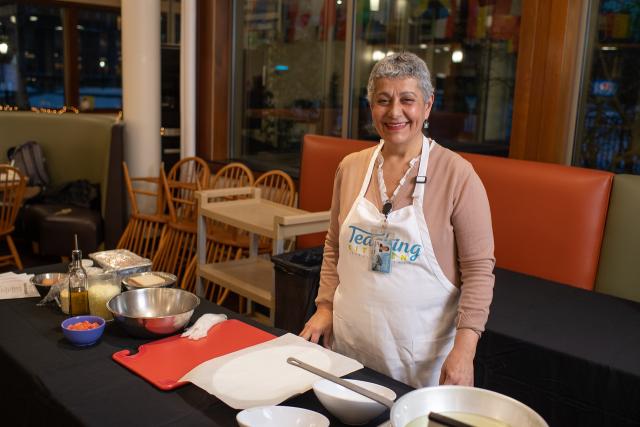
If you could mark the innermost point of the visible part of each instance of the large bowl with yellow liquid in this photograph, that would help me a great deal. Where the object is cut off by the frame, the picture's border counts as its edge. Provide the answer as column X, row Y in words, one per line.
column 475, row 406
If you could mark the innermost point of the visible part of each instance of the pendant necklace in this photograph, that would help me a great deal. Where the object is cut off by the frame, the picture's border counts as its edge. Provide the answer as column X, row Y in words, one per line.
column 387, row 202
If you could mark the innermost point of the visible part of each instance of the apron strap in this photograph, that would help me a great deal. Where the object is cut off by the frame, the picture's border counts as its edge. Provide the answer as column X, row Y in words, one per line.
column 421, row 179
column 367, row 177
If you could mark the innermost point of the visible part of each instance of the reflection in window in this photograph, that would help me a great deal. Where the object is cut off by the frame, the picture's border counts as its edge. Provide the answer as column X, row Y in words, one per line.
column 31, row 56
column 608, row 134
column 471, row 50
column 99, row 60
column 291, row 64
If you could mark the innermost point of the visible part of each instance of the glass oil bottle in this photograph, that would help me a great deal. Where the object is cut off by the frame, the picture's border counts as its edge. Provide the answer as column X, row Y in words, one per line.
column 78, row 284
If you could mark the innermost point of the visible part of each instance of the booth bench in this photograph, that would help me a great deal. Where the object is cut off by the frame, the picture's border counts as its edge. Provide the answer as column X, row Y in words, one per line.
column 549, row 221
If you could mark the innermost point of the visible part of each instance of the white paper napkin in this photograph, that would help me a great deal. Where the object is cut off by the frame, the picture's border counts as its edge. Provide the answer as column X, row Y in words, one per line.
column 260, row 375
column 14, row 285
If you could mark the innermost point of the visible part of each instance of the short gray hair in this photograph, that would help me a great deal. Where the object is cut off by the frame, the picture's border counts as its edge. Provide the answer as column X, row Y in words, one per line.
column 401, row 65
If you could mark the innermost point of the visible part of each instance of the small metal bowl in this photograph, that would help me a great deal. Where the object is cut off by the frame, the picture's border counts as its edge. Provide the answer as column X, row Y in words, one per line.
column 169, row 280
column 44, row 281
column 153, row 312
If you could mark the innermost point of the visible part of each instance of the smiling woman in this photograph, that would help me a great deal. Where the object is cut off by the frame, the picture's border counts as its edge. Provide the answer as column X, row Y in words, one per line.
column 416, row 318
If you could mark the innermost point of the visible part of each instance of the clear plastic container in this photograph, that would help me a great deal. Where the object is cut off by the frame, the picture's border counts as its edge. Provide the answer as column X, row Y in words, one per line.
column 102, row 287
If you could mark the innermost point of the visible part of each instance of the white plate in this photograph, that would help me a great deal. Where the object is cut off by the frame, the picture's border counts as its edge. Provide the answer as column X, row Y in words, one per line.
column 279, row 416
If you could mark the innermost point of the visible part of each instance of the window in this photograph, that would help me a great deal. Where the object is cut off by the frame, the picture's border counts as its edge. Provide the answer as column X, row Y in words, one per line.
column 608, row 134
column 290, row 71
column 31, row 56
column 99, row 60
column 55, row 56
column 470, row 48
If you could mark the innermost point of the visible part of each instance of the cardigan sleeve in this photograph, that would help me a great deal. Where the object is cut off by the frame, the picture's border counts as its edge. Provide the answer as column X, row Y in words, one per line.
column 329, row 272
column 471, row 220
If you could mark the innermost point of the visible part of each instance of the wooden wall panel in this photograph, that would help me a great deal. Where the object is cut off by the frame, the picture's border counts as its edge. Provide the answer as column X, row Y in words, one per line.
column 213, row 50
column 548, row 65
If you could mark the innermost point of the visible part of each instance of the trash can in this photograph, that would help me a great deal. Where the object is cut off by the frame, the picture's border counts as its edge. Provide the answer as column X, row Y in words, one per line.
column 297, row 275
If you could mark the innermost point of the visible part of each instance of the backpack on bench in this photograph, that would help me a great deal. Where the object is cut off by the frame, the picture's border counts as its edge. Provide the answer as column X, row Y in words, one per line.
column 29, row 158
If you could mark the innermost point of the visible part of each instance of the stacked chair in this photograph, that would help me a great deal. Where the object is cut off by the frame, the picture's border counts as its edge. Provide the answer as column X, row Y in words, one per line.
column 178, row 243
column 169, row 235
column 144, row 230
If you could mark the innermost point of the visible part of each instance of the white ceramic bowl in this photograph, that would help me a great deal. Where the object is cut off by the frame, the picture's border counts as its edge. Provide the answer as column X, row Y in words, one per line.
column 350, row 407
column 469, row 400
column 280, row 416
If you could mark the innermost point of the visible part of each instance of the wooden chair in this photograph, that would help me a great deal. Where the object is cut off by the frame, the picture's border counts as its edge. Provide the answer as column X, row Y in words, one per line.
column 12, row 187
column 232, row 175
column 216, row 252
column 144, row 230
column 185, row 177
column 277, row 186
column 178, row 243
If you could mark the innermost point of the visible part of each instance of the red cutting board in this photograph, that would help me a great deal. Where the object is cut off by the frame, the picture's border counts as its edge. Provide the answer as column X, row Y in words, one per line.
column 165, row 361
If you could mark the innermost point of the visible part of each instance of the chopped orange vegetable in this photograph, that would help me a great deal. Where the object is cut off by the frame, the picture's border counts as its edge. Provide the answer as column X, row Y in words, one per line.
column 83, row 326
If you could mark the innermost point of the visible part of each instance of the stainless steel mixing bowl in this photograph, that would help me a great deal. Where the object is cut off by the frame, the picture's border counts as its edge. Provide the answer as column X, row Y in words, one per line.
column 153, row 312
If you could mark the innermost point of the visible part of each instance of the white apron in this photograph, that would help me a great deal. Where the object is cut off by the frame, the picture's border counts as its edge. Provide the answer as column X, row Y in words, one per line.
column 402, row 323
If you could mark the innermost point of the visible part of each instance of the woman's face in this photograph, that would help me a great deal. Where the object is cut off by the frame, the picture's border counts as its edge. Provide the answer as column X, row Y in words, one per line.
column 399, row 110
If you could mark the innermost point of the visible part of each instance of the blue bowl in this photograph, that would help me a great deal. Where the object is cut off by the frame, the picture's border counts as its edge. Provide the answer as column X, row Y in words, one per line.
column 83, row 338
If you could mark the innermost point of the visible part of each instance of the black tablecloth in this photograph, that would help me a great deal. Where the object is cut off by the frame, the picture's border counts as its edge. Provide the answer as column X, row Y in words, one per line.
column 47, row 381
column 572, row 355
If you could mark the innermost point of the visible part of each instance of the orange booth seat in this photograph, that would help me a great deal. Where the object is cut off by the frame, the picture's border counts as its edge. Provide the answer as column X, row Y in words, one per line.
column 548, row 219
column 321, row 156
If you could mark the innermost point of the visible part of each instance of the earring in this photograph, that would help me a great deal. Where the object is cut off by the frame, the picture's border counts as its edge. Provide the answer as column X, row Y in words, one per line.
column 426, row 125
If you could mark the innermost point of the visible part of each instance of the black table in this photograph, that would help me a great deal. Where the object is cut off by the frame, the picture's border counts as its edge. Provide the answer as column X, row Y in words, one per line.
column 572, row 355
column 47, row 381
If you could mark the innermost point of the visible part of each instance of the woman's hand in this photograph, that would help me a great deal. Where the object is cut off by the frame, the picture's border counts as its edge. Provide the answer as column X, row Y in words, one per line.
column 320, row 325
column 458, row 366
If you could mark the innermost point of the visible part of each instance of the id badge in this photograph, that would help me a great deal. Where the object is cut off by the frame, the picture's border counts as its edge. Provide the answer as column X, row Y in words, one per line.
column 381, row 253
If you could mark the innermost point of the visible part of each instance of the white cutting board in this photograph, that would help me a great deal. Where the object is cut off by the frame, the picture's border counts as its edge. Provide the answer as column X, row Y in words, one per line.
column 260, row 375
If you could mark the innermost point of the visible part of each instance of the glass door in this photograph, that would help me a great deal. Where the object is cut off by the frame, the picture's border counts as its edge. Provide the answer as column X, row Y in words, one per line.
column 289, row 65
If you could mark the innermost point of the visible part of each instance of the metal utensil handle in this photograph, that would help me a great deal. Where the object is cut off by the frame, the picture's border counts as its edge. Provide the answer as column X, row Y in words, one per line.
column 351, row 386
column 446, row 421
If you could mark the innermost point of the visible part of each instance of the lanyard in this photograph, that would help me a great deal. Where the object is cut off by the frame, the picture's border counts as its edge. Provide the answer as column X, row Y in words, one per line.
column 387, row 202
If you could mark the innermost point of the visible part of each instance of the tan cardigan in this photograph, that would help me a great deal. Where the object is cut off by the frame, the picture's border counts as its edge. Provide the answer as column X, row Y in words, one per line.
column 458, row 218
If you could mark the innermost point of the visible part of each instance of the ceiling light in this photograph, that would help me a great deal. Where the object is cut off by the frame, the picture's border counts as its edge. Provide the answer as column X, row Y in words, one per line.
column 33, row 18
column 423, row 45
column 377, row 55
column 457, row 56
column 12, row 18
column 4, row 48
column 374, row 5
